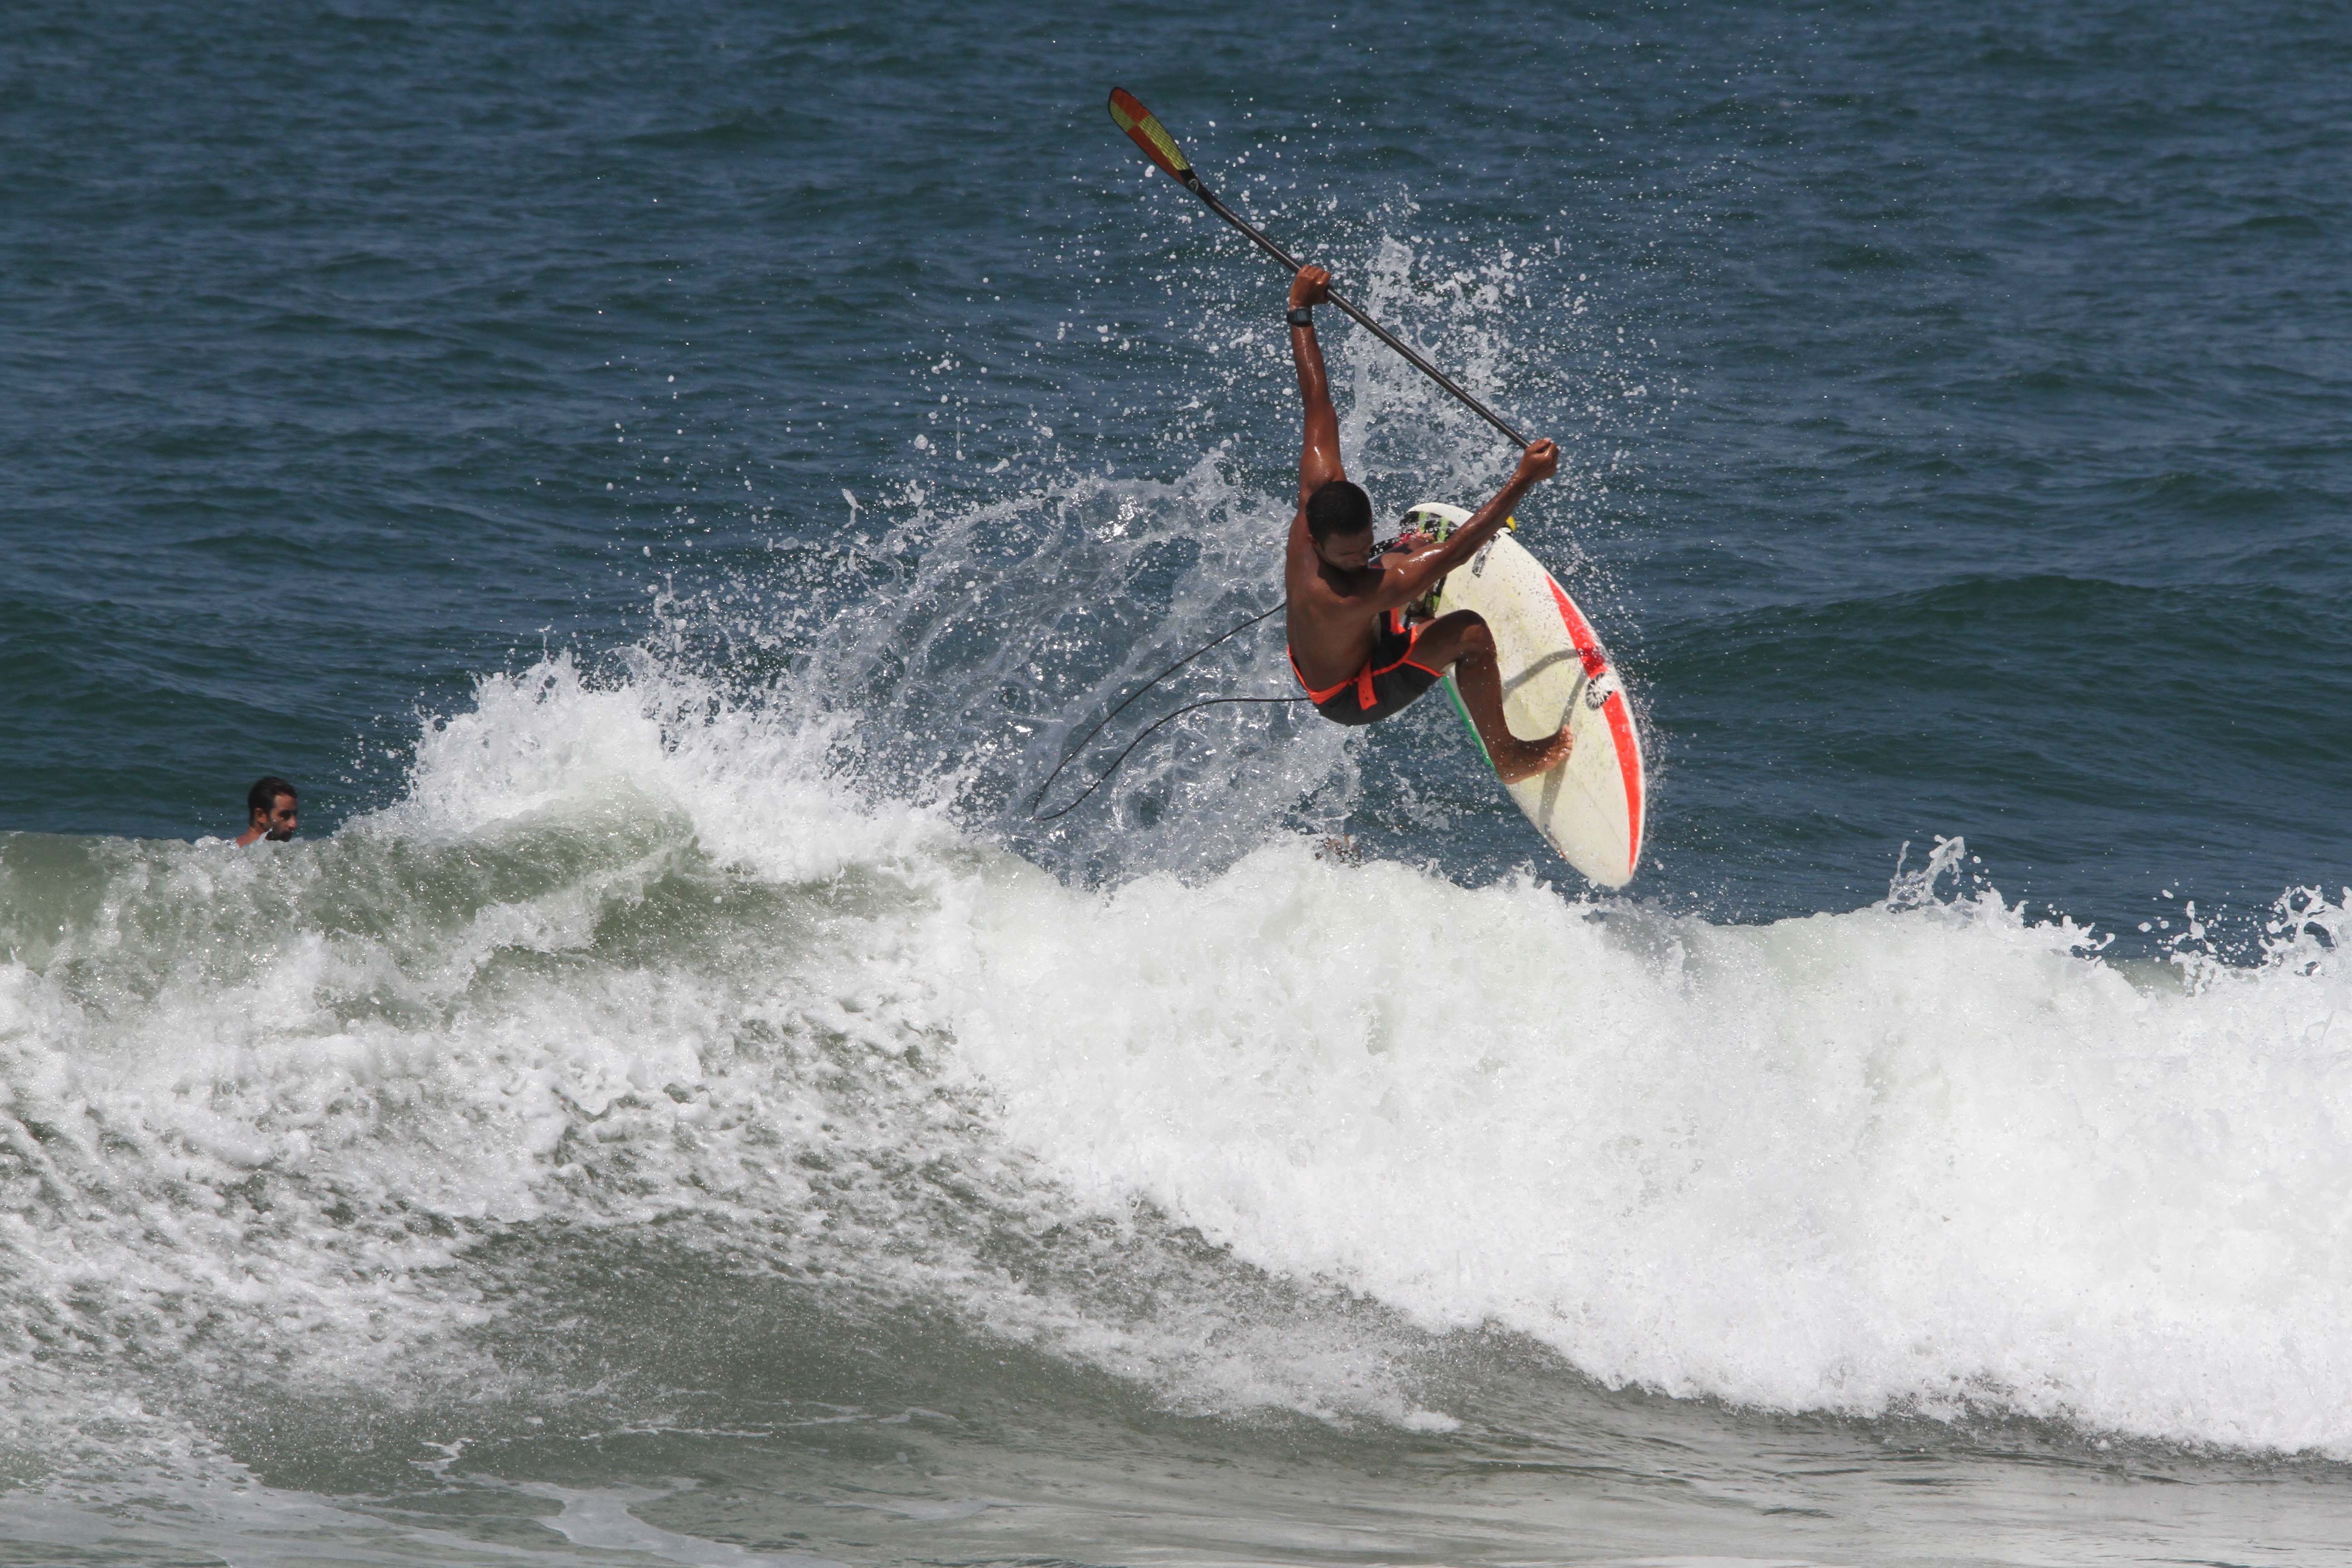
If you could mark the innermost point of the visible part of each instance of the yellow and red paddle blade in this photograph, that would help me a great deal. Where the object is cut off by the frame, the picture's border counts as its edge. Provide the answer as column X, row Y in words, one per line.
column 1150, row 135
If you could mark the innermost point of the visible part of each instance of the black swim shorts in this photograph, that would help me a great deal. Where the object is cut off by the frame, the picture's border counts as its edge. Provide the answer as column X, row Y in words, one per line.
column 1390, row 680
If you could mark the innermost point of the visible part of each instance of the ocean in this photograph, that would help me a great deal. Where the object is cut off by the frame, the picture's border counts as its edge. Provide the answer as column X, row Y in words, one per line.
column 669, row 483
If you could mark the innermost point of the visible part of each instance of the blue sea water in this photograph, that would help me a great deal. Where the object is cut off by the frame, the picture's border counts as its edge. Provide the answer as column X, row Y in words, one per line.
column 669, row 483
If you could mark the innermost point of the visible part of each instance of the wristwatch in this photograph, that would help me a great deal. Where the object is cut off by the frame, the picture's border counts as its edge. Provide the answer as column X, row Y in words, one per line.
column 1301, row 315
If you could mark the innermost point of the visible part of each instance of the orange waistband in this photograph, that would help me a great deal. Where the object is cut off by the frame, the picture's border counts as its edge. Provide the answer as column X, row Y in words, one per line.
column 1363, row 679
column 1329, row 692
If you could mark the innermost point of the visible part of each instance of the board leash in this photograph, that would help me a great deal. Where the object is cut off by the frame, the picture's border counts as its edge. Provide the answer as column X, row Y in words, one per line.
column 1191, row 708
column 1087, row 739
column 1070, row 756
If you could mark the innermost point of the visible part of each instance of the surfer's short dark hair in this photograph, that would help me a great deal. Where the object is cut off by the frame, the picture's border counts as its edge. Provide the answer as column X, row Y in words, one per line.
column 263, row 796
column 1337, row 507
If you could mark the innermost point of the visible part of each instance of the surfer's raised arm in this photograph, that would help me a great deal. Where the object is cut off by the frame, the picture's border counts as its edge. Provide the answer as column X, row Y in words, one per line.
column 1412, row 577
column 1319, row 458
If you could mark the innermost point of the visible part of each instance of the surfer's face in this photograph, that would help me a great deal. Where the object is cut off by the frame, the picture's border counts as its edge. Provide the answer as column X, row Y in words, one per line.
column 1347, row 551
column 281, row 822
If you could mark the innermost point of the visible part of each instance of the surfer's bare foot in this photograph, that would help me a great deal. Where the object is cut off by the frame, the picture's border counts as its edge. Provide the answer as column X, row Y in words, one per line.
column 1462, row 641
column 1529, row 758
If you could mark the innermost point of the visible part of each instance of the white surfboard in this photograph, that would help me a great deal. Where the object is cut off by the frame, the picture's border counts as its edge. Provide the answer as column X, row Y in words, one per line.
column 1590, row 808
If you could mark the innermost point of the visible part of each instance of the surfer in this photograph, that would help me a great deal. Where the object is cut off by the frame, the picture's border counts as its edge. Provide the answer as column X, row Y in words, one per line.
column 1352, row 645
column 271, row 812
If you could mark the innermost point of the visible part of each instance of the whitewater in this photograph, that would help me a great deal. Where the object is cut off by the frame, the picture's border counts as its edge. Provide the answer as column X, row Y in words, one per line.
column 628, row 957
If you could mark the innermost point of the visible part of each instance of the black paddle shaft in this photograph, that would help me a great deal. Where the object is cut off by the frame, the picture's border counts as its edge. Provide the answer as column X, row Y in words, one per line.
column 1193, row 182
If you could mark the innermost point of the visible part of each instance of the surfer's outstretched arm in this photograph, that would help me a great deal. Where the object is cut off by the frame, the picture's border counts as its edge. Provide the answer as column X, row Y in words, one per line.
column 1319, row 458
column 1412, row 577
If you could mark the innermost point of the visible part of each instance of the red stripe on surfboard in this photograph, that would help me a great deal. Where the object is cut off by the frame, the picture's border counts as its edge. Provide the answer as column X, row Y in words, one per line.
column 1588, row 646
column 1621, row 723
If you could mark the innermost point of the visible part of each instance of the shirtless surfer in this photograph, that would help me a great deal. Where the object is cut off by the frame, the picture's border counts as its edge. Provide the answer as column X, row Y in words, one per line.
column 271, row 812
column 1351, row 645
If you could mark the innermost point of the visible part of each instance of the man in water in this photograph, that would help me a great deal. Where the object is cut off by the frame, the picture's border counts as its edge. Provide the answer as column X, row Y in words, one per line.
column 269, row 812
column 1352, row 645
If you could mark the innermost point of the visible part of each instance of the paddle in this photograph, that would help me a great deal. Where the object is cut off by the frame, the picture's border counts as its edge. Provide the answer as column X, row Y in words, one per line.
column 1159, row 147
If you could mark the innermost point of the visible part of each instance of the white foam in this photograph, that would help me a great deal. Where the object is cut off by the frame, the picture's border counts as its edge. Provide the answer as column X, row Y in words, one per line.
column 1888, row 1157
column 550, row 740
column 267, row 1105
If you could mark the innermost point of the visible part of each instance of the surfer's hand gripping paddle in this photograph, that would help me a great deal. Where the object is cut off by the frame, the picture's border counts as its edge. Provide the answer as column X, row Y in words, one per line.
column 1159, row 147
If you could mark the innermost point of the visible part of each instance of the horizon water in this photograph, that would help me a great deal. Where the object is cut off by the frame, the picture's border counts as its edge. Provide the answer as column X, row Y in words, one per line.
column 670, row 485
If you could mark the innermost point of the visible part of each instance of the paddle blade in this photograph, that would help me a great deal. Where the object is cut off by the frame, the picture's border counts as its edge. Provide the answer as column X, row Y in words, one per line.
column 1151, row 136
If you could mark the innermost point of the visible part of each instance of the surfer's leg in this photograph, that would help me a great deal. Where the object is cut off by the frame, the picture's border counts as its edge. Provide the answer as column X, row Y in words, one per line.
column 1462, row 641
